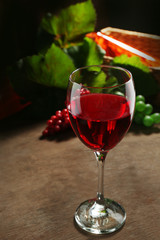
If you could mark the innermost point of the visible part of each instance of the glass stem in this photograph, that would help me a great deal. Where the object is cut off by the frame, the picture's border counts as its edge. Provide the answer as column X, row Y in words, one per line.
column 100, row 156
column 98, row 209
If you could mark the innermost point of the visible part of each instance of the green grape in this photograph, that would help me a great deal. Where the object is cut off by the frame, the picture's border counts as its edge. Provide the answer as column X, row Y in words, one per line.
column 140, row 98
column 140, row 106
column 138, row 117
column 148, row 109
column 148, row 121
column 156, row 117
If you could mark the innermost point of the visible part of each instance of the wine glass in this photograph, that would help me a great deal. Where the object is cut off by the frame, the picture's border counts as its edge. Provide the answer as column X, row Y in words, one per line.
column 100, row 103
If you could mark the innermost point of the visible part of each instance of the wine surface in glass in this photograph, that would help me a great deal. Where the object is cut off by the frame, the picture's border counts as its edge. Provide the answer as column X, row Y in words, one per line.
column 100, row 120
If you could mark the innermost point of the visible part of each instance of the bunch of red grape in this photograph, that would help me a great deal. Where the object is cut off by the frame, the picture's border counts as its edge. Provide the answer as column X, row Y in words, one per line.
column 143, row 113
column 58, row 122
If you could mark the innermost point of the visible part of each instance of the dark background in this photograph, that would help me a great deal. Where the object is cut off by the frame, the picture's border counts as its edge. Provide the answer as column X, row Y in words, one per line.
column 19, row 20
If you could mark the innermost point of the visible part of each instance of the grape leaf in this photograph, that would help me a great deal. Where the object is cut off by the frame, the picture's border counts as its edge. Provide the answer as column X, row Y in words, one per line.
column 52, row 69
column 43, row 78
column 131, row 61
column 99, row 80
column 71, row 22
column 145, row 83
column 87, row 53
column 93, row 51
column 45, row 99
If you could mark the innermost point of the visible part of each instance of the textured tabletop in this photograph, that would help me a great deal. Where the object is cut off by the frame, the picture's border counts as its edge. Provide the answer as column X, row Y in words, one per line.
column 42, row 183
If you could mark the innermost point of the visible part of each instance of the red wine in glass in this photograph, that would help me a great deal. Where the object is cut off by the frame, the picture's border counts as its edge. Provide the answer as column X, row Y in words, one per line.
column 100, row 102
column 101, row 121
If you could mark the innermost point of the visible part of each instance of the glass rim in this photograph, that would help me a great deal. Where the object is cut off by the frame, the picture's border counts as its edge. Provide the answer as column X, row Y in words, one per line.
column 105, row 66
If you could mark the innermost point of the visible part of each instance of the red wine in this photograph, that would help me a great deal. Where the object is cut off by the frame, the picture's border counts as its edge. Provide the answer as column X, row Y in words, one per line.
column 100, row 120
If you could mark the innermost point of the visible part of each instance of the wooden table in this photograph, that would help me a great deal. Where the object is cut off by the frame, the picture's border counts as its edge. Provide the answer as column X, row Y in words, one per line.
column 42, row 182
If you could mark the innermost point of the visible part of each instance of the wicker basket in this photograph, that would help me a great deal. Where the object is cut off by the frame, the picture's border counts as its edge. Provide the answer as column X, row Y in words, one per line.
column 146, row 43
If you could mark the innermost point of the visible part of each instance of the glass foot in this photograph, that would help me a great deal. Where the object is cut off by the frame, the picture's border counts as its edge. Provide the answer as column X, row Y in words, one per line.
column 99, row 218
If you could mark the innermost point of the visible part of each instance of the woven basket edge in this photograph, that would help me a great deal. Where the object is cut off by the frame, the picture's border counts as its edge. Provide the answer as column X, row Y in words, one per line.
column 108, row 30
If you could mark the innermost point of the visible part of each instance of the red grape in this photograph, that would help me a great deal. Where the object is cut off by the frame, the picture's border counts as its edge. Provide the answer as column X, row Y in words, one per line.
column 49, row 122
column 54, row 118
column 58, row 122
column 57, row 128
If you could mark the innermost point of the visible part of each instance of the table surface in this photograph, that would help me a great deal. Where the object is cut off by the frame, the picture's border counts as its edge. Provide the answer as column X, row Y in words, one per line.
column 43, row 181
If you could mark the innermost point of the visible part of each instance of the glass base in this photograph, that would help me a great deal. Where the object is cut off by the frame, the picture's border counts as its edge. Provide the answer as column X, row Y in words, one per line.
column 97, row 218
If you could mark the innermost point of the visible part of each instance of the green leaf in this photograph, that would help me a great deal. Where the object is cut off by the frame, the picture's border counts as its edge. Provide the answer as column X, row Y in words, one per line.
column 76, row 53
column 99, row 80
column 111, row 81
column 94, row 78
column 145, row 84
column 72, row 22
column 53, row 69
column 31, row 76
column 87, row 53
column 93, row 51
column 45, row 100
column 134, row 61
